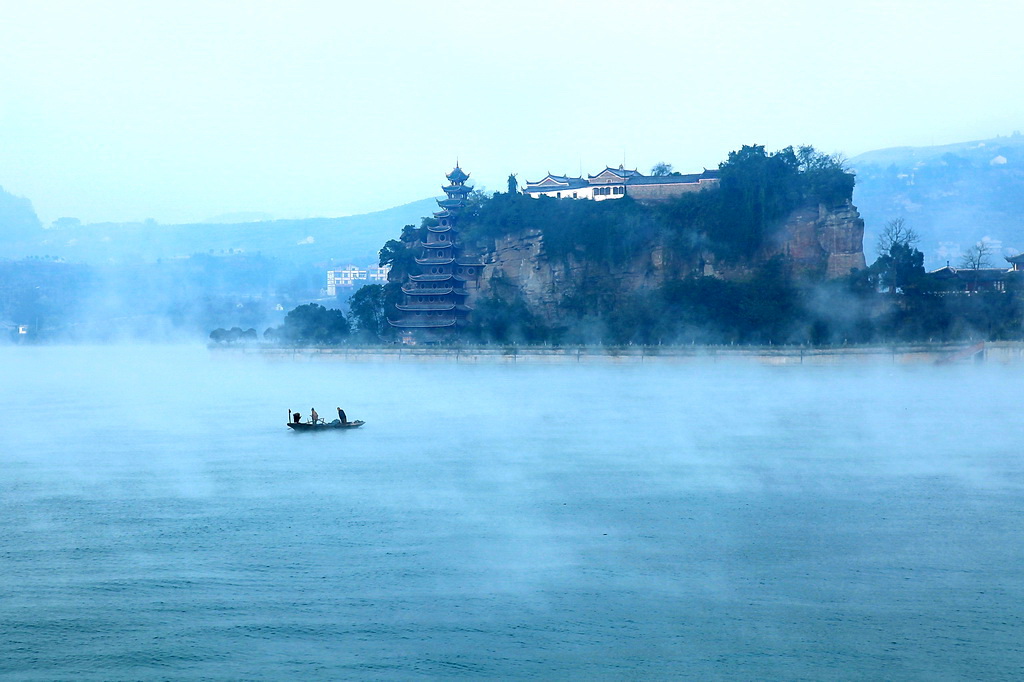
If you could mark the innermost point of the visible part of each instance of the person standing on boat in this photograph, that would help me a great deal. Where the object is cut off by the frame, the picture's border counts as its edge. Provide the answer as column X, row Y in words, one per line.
column 342, row 417
column 313, row 415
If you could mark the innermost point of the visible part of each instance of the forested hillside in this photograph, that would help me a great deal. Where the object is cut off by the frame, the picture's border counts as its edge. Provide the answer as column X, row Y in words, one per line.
column 952, row 195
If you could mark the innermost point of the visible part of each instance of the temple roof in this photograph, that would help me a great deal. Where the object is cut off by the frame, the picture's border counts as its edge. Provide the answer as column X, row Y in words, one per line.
column 972, row 274
column 439, row 228
column 610, row 173
column 553, row 183
column 457, row 189
column 672, row 179
column 434, row 261
column 1018, row 259
column 616, row 176
column 451, row 203
column 457, row 175
column 436, row 245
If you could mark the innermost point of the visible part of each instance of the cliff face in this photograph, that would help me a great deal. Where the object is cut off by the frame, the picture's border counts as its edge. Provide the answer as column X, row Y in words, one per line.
column 829, row 241
column 819, row 242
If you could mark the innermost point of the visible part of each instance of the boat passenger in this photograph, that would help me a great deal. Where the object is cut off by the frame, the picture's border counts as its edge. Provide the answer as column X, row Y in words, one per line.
column 296, row 418
column 342, row 417
column 313, row 415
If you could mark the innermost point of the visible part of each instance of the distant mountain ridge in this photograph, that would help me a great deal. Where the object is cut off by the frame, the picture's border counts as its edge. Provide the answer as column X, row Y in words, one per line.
column 313, row 240
column 16, row 215
column 953, row 195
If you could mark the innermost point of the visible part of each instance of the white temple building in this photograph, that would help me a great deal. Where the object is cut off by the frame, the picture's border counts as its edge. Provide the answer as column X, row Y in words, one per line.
column 615, row 183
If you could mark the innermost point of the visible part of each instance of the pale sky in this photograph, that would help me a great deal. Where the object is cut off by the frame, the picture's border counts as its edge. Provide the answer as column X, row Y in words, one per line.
column 181, row 111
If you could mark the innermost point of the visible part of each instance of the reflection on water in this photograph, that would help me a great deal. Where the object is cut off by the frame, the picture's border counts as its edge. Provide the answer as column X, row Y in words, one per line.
column 652, row 520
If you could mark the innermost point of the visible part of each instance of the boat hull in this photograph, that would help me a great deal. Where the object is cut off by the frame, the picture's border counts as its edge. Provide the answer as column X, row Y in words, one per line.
column 326, row 427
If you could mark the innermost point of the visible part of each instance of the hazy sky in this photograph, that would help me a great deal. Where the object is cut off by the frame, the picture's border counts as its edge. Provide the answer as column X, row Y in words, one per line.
column 185, row 110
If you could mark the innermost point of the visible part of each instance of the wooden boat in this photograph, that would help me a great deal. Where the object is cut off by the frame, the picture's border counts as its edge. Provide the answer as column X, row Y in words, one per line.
column 336, row 424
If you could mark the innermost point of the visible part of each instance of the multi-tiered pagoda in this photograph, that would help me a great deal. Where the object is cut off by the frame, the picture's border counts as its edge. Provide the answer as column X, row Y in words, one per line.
column 434, row 298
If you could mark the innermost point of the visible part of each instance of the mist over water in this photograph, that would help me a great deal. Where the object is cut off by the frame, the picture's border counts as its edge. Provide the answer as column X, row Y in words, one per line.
column 687, row 518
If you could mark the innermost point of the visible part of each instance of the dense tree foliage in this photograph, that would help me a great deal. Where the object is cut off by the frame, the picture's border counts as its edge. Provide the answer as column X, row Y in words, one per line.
column 757, row 191
column 233, row 335
column 312, row 324
column 368, row 309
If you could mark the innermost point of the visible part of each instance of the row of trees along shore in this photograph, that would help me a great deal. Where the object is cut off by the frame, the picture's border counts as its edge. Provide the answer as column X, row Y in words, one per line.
column 892, row 300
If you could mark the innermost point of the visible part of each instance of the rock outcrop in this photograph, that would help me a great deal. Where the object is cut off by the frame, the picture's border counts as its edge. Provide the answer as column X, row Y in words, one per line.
column 822, row 240
column 818, row 241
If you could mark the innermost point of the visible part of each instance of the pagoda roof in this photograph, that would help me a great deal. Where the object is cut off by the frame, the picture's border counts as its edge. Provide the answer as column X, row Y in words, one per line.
column 439, row 228
column 451, row 203
column 441, row 277
column 423, row 324
column 435, row 261
column 436, row 245
column 437, row 291
column 427, row 307
column 457, row 175
column 1018, row 259
column 457, row 189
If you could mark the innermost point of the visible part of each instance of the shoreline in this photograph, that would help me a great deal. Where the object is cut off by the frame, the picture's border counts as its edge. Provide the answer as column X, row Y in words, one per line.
column 911, row 353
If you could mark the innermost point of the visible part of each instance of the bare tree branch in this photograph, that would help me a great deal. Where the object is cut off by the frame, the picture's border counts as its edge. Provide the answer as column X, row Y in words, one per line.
column 896, row 232
column 977, row 257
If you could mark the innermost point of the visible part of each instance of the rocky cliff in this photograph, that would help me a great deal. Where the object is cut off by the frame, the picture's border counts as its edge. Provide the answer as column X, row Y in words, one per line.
column 818, row 241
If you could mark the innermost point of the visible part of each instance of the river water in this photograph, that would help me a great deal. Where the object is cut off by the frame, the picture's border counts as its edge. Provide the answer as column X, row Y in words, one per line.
column 672, row 519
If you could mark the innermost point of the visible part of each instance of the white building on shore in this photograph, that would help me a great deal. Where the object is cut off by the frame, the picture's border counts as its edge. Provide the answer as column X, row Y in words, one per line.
column 351, row 275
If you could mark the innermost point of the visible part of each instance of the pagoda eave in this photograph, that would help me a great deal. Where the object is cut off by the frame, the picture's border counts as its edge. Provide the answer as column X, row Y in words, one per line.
column 423, row 324
column 427, row 307
column 438, row 291
column 444, row 277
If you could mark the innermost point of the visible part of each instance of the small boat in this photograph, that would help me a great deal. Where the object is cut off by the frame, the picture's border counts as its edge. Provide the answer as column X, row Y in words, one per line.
column 336, row 424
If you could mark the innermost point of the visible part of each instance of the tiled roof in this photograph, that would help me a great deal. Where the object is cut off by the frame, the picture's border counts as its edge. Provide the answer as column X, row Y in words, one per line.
column 621, row 172
column 457, row 175
column 569, row 183
column 971, row 274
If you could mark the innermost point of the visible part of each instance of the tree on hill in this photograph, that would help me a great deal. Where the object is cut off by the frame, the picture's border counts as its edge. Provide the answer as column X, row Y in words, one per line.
column 977, row 257
column 899, row 267
column 368, row 308
column 895, row 232
column 314, row 324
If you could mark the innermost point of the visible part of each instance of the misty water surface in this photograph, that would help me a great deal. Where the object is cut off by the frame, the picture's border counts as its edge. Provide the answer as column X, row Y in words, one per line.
column 686, row 519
